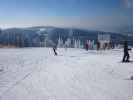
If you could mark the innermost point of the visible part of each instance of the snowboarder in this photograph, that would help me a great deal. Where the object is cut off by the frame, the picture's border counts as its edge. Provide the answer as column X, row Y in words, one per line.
column 126, row 53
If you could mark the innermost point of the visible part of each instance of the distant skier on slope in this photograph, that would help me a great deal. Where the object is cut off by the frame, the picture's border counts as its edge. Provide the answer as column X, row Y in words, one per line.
column 87, row 46
column 54, row 49
column 126, row 53
column 98, row 45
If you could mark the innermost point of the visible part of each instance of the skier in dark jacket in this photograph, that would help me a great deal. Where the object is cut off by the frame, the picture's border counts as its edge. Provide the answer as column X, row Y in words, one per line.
column 126, row 53
column 87, row 46
column 54, row 49
column 98, row 45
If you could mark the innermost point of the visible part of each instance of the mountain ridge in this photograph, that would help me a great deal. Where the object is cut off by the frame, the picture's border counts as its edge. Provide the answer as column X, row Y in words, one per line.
column 35, row 34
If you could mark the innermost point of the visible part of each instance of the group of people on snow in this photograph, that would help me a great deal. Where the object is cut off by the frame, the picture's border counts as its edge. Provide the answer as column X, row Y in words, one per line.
column 99, row 45
column 126, row 50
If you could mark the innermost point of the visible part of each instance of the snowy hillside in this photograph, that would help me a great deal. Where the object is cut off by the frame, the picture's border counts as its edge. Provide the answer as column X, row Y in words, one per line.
column 75, row 74
column 33, row 36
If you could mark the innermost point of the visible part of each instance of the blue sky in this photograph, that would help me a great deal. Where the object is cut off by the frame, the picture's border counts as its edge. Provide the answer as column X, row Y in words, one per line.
column 99, row 14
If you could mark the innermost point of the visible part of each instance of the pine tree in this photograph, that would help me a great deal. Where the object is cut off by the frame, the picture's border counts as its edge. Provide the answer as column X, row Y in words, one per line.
column 75, row 44
column 60, row 42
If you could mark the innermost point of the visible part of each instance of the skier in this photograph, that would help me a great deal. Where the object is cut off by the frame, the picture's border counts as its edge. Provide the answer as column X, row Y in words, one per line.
column 87, row 46
column 126, row 53
column 54, row 49
column 98, row 45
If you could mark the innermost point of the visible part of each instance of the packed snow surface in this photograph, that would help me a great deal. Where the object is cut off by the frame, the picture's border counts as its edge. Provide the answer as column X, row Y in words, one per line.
column 75, row 74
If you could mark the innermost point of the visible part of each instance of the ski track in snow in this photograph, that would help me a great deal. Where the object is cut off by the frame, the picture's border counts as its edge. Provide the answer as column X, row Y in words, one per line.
column 76, row 74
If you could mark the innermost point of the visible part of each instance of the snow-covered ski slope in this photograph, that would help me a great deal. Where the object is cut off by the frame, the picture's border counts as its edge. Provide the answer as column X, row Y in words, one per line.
column 75, row 74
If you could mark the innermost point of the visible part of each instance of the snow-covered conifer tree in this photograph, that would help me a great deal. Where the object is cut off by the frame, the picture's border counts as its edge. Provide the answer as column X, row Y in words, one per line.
column 60, row 42
column 75, row 43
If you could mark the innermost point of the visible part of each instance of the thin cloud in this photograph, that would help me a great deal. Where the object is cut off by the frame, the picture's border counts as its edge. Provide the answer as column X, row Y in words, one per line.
column 128, row 3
